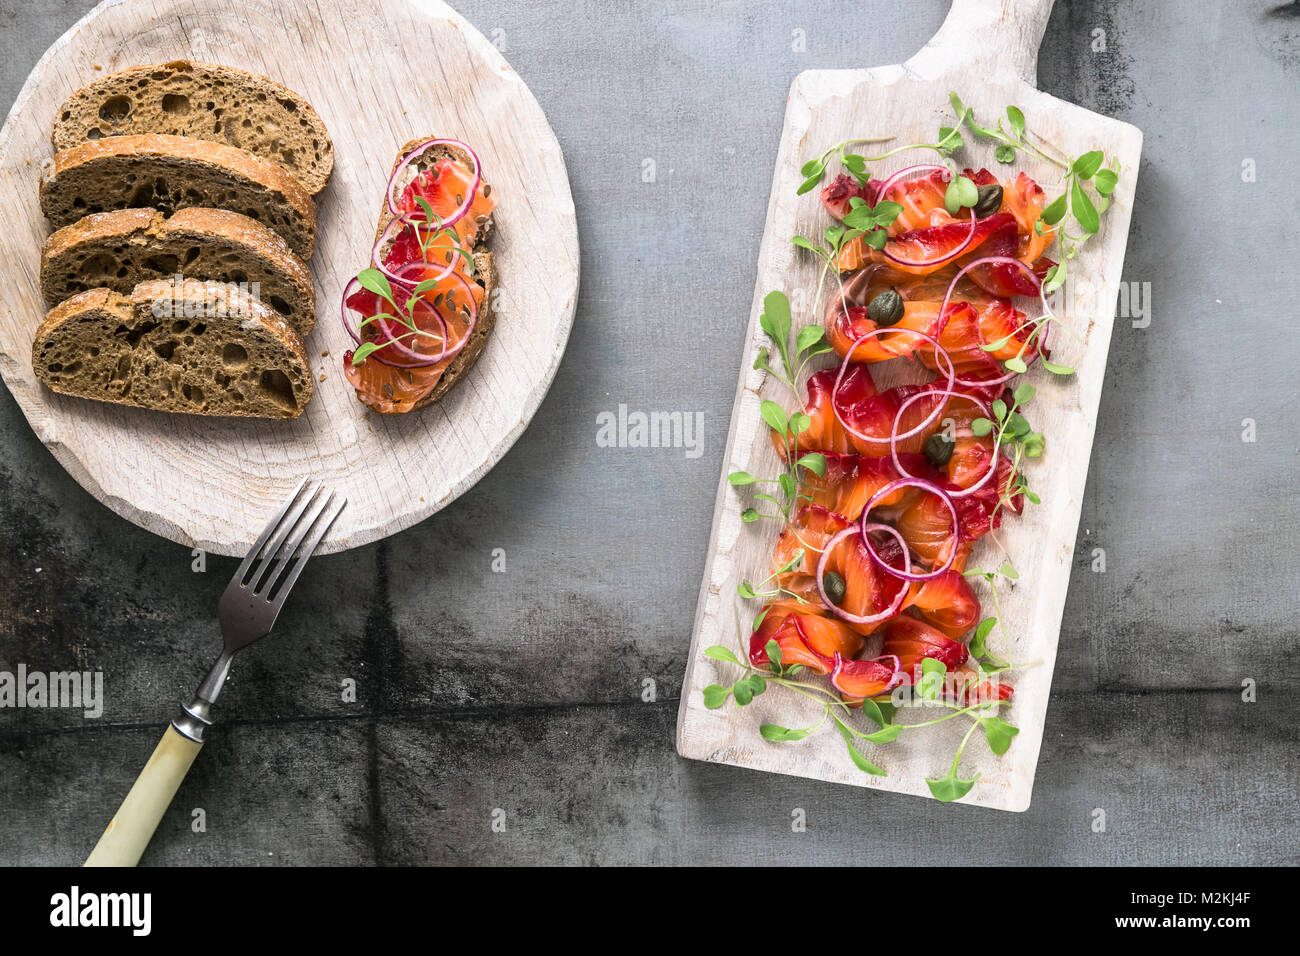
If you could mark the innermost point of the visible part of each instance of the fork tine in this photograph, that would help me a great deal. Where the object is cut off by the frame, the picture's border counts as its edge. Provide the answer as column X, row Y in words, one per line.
column 260, row 570
column 300, row 530
column 323, row 526
column 271, row 525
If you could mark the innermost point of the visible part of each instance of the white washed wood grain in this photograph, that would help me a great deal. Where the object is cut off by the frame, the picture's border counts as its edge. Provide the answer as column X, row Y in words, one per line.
column 380, row 73
column 986, row 50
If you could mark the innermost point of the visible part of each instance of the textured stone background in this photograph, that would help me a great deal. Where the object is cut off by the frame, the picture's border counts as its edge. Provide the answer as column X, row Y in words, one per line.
column 521, row 691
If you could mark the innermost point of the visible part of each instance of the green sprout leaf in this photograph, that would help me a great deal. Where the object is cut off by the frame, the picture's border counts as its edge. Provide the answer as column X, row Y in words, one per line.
column 998, row 733
column 1017, row 121
column 930, row 683
column 773, row 650
column 885, row 734
column 715, row 695
column 774, row 415
column 886, row 212
column 787, row 485
column 815, row 462
column 363, row 351
column 776, row 316
column 813, row 167
column 950, row 788
column 777, row 733
column 809, row 336
column 719, row 653
column 1086, row 166
column 372, row 280
column 1105, row 181
column 979, row 641
column 1056, row 369
column 960, row 194
column 1084, row 210
column 742, row 693
column 1055, row 210
column 859, row 761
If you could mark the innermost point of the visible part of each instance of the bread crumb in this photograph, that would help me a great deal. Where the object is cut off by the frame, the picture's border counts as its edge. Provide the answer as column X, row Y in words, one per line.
column 322, row 376
column 325, row 354
column 98, row 67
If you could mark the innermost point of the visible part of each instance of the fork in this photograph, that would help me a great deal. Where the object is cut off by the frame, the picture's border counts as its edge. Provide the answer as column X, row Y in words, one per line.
column 247, row 610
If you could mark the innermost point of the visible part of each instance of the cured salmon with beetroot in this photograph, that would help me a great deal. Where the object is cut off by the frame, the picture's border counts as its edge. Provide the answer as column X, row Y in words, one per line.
column 908, row 456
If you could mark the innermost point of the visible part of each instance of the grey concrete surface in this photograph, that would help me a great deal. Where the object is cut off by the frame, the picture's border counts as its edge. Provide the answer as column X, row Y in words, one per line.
column 517, row 696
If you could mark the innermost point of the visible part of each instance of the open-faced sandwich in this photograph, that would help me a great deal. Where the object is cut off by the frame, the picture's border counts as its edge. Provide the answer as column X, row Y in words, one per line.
column 422, row 312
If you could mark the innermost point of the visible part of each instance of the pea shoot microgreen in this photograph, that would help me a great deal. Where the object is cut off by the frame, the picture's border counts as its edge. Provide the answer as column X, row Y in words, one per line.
column 1091, row 167
column 1013, row 432
column 427, row 236
column 935, row 689
column 784, row 500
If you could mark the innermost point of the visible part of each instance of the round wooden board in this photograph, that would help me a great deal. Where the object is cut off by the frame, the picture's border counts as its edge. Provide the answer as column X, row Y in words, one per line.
column 379, row 73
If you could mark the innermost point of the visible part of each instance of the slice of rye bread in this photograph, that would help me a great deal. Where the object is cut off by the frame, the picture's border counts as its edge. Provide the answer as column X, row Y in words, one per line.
column 203, row 348
column 119, row 250
column 485, row 274
column 203, row 101
column 168, row 173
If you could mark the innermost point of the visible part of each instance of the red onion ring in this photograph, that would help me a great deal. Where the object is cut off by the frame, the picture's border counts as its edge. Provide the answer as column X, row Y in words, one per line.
column 387, row 236
column 893, row 438
column 885, row 492
column 350, row 290
column 415, row 359
column 848, row 357
column 416, row 154
column 1033, row 276
column 834, row 608
column 423, row 360
column 946, row 257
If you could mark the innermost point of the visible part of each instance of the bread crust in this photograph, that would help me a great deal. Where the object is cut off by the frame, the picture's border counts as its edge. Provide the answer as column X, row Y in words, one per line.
column 135, row 87
column 149, row 227
column 217, row 159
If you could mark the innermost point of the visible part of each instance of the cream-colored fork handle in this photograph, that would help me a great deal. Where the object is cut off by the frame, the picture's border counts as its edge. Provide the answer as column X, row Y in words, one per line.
column 131, row 828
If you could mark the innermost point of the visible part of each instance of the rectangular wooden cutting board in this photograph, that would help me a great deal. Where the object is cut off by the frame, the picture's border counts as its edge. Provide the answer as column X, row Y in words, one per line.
column 986, row 51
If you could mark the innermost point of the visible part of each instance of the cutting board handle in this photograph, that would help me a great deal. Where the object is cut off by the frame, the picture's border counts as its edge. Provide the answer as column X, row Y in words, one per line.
column 1000, row 37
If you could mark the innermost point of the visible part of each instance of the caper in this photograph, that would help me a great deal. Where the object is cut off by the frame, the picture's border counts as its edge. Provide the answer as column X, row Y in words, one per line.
column 938, row 448
column 835, row 587
column 885, row 308
column 989, row 201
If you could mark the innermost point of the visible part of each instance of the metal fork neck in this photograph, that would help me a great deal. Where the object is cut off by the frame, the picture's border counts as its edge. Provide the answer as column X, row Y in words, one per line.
column 196, row 716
